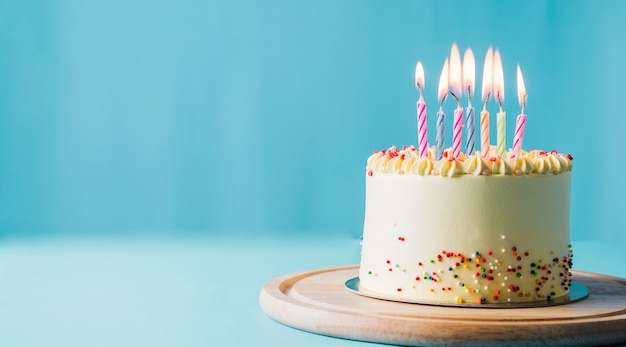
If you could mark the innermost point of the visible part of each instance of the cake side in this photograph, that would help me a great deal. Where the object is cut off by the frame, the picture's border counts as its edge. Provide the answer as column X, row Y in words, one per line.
column 479, row 238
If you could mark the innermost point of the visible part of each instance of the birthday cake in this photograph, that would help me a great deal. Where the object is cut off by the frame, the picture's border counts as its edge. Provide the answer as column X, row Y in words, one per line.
column 471, row 229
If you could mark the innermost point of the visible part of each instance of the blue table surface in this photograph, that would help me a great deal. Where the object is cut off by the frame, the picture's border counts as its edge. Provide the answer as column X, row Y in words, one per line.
column 183, row 291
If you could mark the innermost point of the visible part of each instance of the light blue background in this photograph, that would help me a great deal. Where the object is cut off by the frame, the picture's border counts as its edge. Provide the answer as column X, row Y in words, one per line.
column 161, row 160
column 246, row 116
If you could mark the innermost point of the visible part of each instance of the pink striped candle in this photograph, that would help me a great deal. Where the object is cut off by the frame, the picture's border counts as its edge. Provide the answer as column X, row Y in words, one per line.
column 521, row 118
column 457, row 129
column 519, row 134
column 422, row 129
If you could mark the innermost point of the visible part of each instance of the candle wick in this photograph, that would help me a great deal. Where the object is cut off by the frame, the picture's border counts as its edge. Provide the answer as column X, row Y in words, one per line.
column 456, row 97
column 443, row 98
column 487, row 100
column 499, row 100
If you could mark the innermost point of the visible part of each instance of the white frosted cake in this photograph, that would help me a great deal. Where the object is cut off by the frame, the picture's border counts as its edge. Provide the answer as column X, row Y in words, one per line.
column 469, row 230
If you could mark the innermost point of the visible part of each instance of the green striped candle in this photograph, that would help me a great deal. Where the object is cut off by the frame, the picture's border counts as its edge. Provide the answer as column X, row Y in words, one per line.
column 501, row 133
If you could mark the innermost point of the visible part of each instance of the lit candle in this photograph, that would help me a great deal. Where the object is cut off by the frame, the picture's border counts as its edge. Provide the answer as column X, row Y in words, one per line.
column 422, row 131
column 469, row 74
column 485, row 141
column 498, row 82
column 521, row 118
column 456, row 91
column 441, row 116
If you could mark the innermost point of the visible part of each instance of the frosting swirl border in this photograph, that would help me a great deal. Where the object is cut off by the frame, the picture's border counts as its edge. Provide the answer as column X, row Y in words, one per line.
column 407, row 161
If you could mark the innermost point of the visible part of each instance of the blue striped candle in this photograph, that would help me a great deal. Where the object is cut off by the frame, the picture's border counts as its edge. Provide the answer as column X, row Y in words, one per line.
column 441, row 128
column 470, row 144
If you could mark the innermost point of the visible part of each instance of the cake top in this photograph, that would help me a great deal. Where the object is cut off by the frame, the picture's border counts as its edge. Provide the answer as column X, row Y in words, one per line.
column 408, row 161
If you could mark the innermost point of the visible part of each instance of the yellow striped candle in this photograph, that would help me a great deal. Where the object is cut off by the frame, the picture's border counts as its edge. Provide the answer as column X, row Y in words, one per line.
column 484, row 132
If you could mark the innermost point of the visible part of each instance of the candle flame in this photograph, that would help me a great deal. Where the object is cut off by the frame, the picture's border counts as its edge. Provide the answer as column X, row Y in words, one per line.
column 455, row 72
column 521, row 88
column 469, row 72
column 498, row 78
column 443, row 83
column 419, row 76
column 488, row 75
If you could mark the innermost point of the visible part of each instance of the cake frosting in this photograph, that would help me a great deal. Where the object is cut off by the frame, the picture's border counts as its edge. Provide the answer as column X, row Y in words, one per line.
column 473, row 229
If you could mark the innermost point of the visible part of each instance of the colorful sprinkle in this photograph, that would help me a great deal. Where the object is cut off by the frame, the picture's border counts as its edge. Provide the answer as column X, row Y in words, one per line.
column 543, row 278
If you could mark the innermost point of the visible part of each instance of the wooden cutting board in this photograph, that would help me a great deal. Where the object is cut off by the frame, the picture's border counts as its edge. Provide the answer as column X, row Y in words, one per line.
column 317, row 301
